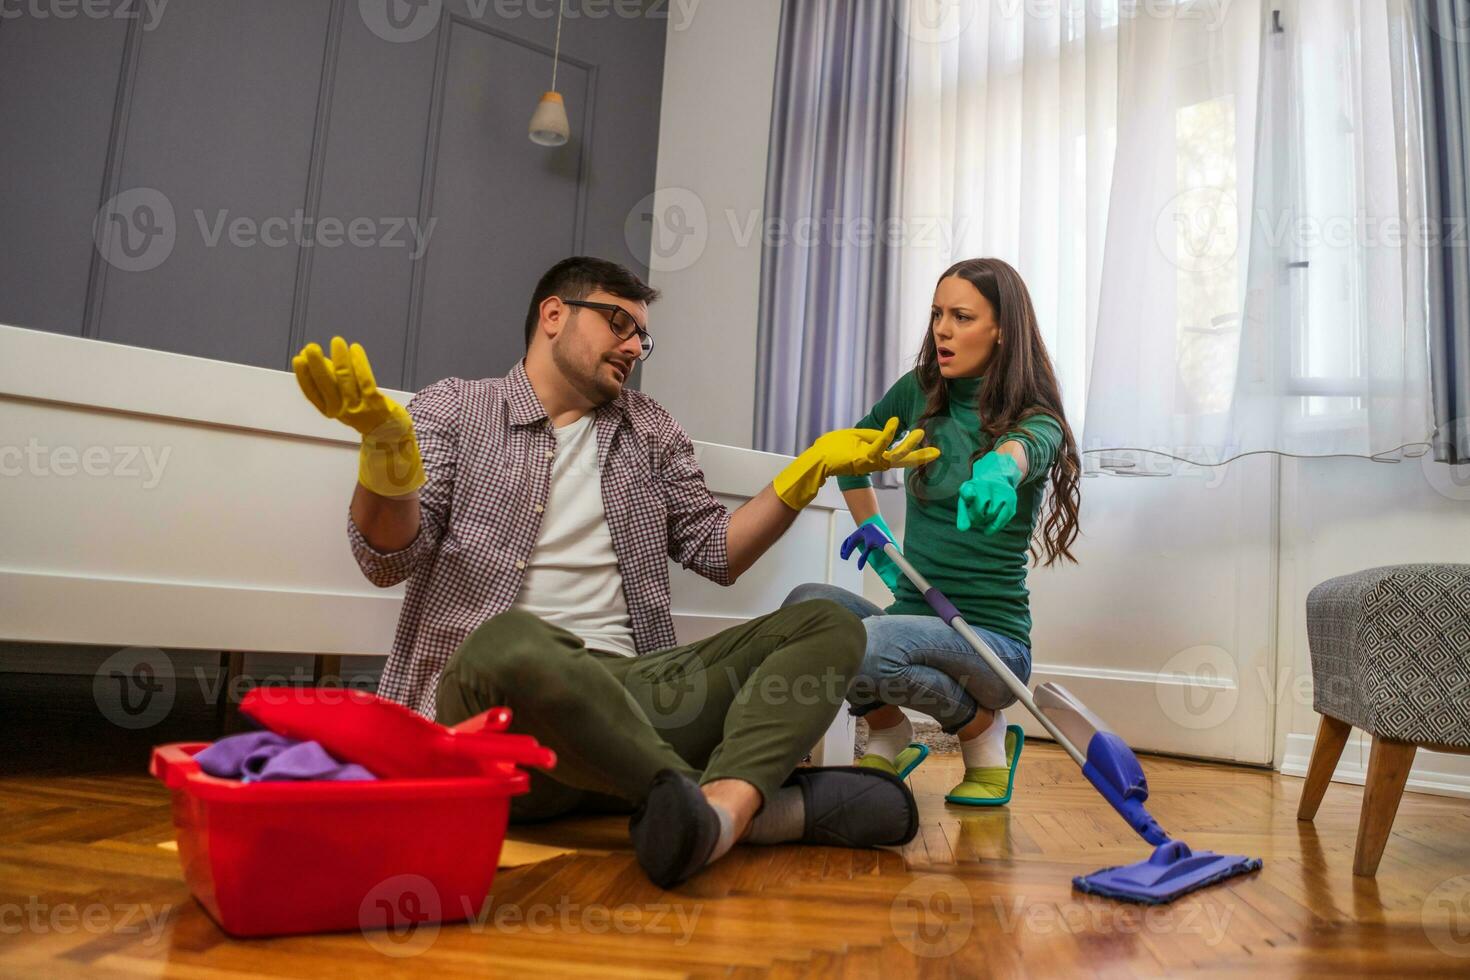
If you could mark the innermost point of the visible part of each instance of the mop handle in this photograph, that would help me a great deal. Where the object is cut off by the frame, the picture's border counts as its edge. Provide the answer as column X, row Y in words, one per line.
column 951, row 615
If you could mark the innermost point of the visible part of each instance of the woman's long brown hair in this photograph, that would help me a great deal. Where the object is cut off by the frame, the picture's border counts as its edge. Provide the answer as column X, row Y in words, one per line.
column 1019, row 382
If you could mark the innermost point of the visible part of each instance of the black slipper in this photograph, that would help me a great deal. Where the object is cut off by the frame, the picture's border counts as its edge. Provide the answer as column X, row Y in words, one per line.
column 854, row 806
column 674, row 831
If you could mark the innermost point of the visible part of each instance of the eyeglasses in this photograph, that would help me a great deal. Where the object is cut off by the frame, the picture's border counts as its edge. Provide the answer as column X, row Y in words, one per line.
column 621, row 322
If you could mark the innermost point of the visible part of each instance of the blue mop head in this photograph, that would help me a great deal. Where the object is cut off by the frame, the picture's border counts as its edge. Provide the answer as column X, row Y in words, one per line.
column 1172, row 870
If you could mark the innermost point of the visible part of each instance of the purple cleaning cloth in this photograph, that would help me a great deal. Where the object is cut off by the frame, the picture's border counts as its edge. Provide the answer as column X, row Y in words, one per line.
column 261, row 757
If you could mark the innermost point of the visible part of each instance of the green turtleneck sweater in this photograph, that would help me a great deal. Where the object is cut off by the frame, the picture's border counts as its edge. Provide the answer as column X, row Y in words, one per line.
column 984, row 575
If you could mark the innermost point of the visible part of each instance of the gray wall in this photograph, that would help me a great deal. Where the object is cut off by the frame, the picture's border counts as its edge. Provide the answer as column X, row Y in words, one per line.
column 156, row 134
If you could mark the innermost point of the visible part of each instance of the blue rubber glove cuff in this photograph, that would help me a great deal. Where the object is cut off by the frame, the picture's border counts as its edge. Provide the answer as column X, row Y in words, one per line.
column 870, row 551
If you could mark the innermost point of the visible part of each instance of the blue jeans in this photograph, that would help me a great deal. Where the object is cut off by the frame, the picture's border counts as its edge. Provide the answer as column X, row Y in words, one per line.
column 919, row 662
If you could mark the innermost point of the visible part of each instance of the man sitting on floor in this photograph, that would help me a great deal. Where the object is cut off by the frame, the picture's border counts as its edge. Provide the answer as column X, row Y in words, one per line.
column 533, row 516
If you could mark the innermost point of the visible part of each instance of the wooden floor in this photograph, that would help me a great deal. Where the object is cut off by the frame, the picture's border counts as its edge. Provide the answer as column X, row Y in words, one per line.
column 85, row 889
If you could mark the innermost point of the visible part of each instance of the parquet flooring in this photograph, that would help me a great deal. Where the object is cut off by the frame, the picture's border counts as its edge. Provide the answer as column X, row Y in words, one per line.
column 85, row 890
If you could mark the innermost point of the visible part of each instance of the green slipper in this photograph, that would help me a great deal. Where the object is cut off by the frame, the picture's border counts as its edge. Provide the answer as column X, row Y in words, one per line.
column 991, row 785
column 906, row 761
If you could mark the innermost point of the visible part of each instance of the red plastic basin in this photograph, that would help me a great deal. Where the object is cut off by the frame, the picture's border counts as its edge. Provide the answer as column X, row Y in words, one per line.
column 278, row 858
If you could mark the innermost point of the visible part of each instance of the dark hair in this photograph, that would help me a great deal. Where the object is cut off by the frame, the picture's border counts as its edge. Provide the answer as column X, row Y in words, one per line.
column 580, row 276
column 1019, row 382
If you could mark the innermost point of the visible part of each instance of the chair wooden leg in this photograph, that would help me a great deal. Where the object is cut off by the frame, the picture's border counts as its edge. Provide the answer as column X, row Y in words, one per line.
column 226, row 713
column 1331, row 737
column 1388, row 771
column 326, row 666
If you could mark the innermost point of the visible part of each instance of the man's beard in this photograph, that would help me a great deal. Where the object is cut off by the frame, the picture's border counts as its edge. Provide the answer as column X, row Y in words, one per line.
column 589, row 382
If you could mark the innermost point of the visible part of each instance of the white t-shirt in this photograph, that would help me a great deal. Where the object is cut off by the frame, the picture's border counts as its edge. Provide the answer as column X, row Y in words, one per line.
column 572, row 579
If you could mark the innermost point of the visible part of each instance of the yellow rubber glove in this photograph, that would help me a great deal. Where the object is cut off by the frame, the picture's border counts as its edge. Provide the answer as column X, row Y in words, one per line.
column 849, row 452
column 343, row 388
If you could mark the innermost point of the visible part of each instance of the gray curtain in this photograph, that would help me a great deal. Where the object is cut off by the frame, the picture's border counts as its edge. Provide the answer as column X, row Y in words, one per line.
column 829, row 254
column 1444, row 72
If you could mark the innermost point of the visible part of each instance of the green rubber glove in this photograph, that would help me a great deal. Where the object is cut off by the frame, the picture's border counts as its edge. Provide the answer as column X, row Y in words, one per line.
column 988, row 497
column 879, row 561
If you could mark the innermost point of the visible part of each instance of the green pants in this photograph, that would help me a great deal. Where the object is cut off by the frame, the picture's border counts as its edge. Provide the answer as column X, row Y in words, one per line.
column 748, row 703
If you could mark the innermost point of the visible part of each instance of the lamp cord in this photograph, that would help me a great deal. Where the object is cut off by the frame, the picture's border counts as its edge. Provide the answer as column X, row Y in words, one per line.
column 556, row 51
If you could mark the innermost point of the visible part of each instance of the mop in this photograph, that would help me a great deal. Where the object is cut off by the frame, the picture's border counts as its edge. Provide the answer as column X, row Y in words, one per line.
column 1109, row 764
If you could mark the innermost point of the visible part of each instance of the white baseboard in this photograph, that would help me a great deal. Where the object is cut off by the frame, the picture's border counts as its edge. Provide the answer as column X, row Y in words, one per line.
column 1438, row 773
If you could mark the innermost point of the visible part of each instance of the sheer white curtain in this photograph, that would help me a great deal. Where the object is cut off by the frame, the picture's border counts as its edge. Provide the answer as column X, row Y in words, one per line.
column 1215, row 206
column 1007, row 151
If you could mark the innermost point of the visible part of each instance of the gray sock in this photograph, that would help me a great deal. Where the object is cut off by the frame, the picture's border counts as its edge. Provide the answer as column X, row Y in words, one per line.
column 783, row 818
column 727, row 833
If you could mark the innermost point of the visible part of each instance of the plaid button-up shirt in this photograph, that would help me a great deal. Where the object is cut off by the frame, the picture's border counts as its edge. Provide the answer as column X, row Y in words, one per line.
column 487, row 447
